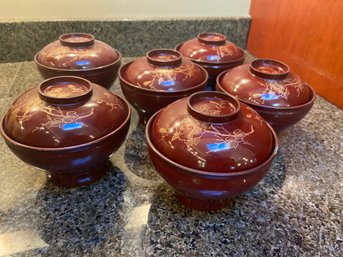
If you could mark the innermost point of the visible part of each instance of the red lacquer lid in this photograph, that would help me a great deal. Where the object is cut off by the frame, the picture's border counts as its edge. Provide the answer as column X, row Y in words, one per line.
column 164, row 70
column 64, row 111
column 265, row 82
column 211, row 47
column 212, row 131
column 77, row 51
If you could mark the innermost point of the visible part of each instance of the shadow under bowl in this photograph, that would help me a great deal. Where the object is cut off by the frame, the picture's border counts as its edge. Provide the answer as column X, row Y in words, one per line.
column 206, row 191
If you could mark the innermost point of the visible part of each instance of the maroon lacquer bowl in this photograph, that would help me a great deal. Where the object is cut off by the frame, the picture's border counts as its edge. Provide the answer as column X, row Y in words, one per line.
column 79, row 54
column 162, row 76
column 67, row 126
column 272, row 89
column 210, row 148
column 213, row 52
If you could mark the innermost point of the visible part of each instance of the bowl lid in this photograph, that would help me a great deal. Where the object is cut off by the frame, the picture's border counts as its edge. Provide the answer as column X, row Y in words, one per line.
column 164, row 70
column 77, row 51
column 64, row 111
column 265, row 82
column 211, row 47
column 212, row 131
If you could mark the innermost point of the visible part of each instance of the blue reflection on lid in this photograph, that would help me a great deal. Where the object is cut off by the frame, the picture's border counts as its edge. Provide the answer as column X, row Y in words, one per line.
column 213, row 58
column 269, row 96
column 82, row 63
column 168, row 83
column 217, row 147
column 71, row 126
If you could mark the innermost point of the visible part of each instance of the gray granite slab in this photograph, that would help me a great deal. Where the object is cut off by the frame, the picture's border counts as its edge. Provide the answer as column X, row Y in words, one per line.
column 296, row 210
column 20, row 41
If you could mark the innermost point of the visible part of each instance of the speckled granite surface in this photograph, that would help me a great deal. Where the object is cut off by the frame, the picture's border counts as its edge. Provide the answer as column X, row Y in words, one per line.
column 296, row 210
column 20, row 41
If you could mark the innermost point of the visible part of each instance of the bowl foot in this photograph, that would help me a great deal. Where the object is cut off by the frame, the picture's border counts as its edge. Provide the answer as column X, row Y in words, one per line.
column 203, row 204
column 79, row 177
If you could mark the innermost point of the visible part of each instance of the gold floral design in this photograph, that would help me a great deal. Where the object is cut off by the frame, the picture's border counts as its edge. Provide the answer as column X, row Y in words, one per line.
column 190, row 131
column 212, row 107
column 256, row 117
column 113, row 104
column 225, row 50
column 161, row 75
column 280, row 88
column 60, row 92
column 26, row 108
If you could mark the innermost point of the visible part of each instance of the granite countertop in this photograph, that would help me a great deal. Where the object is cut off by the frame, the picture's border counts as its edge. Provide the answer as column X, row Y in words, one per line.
column 296, row 210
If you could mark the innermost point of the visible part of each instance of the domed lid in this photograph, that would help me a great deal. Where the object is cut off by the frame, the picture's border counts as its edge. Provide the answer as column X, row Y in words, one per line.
column 164, row 70
column 212, row 131
column 211, row 47
column 265, row 82
column 77, row 51
column 64, row 111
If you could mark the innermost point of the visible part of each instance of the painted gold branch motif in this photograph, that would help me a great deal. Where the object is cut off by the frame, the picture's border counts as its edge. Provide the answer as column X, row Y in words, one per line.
column 113, row 104
column 280, row 88
column 256, row 117
column 190, row 131
column 61, row 92
column 225, row 50
column 209, row 110
column 161, row 75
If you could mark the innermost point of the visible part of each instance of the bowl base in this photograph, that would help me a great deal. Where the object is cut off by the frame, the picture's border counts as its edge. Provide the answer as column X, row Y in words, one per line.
column 79, row 177
column 203, row 204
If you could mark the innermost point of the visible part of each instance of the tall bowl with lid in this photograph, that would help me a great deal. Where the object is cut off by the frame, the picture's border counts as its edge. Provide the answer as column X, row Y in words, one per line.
column 214, row 52
column 210, row 147
column 272, row 89
column 162, row 76
column 79, row 54
column 67, row 126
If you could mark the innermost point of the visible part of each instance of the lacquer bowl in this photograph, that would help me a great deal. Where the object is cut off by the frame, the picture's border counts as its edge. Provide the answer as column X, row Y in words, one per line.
column 210, row 148
column 271, row 89
column 213, row 52
column 158, row 79
column 79, row 54
column 67, row 126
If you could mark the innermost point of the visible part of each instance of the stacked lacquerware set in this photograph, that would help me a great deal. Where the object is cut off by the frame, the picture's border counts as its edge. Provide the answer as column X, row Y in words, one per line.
column 208, row 145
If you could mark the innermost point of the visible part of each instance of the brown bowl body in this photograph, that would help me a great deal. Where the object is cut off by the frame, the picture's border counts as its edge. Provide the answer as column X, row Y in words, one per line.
column 72, row 166
column 209, row 183
column 67, row 126
column 214, row 53
column 103, row 76
column 149, row 99
column 283, row 112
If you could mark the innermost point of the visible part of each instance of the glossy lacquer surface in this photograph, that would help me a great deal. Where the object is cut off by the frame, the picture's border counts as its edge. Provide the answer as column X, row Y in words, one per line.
column 210, row 148
column 266, row 82
column 243, row 142
column 162, row 76
column 67, row 126
column 272, row 89
column 213, row 52
column 77, row 51
column 79, row 54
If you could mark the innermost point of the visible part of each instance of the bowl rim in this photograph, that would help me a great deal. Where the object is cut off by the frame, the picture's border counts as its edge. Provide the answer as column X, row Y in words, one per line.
column 241, row 59
column 72, row 147
column 208, row 173
column 78, row 70
column 122, row 80
column 259, row 106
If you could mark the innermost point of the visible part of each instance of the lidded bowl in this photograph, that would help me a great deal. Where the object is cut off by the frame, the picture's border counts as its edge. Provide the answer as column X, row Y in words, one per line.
column 162, row 76
column 213, row 52
column 79, row 54
column 67, row 126
column 271, row 88
column 210, row 148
